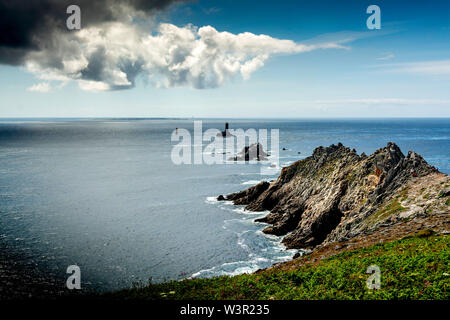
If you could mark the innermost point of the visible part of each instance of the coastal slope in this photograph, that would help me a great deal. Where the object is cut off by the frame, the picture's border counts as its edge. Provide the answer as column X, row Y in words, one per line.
column 354, row 210
column 412, row 268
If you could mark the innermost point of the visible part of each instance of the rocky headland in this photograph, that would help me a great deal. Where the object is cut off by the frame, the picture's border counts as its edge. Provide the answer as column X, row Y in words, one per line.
column 338, row 199
column 351, row 211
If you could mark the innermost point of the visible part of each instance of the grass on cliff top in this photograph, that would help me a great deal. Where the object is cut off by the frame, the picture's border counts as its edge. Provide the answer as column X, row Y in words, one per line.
column 411, row 268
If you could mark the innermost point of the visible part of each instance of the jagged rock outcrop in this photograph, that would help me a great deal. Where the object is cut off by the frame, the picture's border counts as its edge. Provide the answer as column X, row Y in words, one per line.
column 246, row 196
column 253, row 152
column 336, row 194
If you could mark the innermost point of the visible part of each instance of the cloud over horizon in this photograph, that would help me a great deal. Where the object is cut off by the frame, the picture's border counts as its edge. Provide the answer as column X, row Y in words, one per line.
column 432, row 67
column 111, row 57
column 123, row 43
column 40, row 87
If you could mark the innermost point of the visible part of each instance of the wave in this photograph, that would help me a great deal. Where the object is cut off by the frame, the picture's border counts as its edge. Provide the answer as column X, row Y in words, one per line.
column 242, row 210
column 229, row 269
column 263, row 250
column 251, row 182
column 211, row 200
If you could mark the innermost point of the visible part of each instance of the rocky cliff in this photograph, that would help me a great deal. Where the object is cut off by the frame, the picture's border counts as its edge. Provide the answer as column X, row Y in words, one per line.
column 335, row 195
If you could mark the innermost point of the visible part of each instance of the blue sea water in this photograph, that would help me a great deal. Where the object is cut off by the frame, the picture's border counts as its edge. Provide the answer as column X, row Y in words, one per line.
column 105, row 195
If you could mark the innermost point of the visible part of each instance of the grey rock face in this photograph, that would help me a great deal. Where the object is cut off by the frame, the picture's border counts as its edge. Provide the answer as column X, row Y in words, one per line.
column 336, row 194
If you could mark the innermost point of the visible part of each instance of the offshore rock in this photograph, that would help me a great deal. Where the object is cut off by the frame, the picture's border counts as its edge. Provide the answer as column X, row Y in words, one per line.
column 253, row 152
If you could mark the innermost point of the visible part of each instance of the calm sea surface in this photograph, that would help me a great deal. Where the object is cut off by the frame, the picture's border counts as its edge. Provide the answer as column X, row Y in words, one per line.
column 105, row 195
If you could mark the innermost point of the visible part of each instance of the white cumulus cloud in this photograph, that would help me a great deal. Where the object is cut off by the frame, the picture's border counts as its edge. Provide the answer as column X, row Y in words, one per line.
column 111, row 56
column 40, row 87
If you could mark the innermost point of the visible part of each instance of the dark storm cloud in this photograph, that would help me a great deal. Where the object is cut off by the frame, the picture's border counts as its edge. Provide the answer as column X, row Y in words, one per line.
column 27, row 25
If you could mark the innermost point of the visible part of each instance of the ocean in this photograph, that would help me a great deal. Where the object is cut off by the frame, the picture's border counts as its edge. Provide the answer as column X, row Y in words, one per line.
column 105, row 195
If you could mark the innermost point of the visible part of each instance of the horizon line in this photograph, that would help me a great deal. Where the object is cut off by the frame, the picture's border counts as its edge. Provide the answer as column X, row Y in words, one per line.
column 219, row 118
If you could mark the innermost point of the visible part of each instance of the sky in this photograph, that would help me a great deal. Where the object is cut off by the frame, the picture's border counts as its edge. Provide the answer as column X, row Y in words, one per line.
column 225, row 59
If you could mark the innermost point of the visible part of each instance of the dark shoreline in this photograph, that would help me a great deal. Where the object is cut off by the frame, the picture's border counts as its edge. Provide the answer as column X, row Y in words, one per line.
column 22, row 278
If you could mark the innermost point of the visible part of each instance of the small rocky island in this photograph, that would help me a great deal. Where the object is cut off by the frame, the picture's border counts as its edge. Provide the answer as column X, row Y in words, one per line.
column 250, row 153
column 337, row 196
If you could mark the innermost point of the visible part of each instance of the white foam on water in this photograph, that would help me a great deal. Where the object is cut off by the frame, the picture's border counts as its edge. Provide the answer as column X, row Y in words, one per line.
column 241, row 243
column 231, row 268
column 269, row 236
column 211, row 200
column 251, row 182
column 246, row 212
column 284, row 258
column 262, row 249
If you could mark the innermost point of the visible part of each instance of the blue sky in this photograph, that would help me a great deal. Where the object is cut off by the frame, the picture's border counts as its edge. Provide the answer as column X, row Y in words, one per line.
column 401, row 70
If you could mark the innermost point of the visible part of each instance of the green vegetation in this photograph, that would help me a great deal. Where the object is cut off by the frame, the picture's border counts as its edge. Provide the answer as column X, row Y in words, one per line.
column 403, row 194
column 412, row 268
column 325, row 169
column 447, row 202
column 363, row 201
column 394, row 207
column 350, row 177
